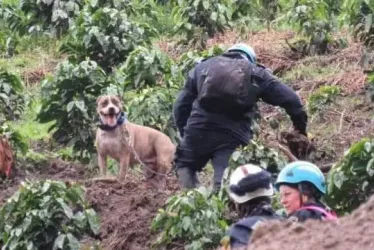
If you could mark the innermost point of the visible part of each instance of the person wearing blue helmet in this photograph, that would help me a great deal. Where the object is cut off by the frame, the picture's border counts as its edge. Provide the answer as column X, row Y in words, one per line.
column 301, row 186
column 214, row 110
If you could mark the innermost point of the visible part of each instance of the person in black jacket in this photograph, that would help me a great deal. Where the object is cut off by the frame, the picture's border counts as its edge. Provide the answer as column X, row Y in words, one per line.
column 301, row 185
column 251, row 190
column 214, row 133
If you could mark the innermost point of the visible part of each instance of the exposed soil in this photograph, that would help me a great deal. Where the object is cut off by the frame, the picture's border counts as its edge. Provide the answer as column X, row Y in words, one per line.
column 126, row 211
column 352, row 232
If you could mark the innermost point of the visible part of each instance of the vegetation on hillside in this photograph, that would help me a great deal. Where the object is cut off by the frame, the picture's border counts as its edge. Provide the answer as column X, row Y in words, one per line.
column 142, row 51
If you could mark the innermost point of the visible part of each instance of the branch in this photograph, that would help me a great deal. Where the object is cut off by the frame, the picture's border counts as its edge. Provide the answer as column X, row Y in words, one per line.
column 287, row 152
column 325, row 168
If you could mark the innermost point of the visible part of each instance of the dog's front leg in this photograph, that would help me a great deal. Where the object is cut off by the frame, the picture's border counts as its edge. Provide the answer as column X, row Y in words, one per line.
column 124, row 164
column 102, row 159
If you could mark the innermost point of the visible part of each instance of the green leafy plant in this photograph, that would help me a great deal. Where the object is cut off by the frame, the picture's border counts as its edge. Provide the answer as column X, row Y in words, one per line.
column 148, row 67
column 258, row 154
column 18, row 142
column 11, row 96
column 313, row 21
column 54, row 15
column 322, row 97
column 359, row 13
column 153, row 107
column 46, row 215
column 195, row 217
column 263, row 10
column 16, row 20
column 203, row 17
column 371, row 86
column 188, row 60
column 69, row 99
column 350, row 181
column 106, row 35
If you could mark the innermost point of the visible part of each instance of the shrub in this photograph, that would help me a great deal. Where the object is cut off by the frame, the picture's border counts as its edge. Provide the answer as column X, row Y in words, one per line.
column 70, row 101
column 194, row 217
column 351, row 180
column 46, row 215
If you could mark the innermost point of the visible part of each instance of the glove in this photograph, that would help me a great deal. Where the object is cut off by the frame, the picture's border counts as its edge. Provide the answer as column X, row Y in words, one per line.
column 299, row 122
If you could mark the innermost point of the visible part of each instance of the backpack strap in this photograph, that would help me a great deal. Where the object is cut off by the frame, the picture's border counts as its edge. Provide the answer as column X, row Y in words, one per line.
column 328, row 215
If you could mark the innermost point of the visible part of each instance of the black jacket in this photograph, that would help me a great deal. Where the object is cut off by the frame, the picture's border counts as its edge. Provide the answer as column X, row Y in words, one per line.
column 189, row 115
column 241, row 231
column 303, row 215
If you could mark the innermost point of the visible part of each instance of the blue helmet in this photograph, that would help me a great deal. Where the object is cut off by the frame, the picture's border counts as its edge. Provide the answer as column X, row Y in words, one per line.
column 302, row 171
column 241, row 47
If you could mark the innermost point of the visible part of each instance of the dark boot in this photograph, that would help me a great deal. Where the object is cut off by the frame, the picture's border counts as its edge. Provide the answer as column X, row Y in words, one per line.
column 187, row 178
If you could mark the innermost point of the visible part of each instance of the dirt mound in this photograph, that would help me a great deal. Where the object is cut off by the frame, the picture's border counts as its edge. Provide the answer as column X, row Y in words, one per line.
column 56, row 170
column 126, row 212
column 352, row 232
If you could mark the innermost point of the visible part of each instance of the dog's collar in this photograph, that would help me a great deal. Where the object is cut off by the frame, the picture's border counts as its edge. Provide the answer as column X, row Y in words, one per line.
column 120, row 120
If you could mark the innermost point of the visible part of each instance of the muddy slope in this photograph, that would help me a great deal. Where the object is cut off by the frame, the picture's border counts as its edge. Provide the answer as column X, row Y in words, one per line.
column 352, row 232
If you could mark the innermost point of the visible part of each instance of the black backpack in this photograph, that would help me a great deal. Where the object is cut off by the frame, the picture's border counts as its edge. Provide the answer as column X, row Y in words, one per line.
column 225, row 85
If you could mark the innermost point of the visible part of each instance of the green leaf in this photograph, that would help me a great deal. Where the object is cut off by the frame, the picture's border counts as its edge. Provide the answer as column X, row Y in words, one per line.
column 70, row 106
column 214, row 16
column 67, row 210
column 186, row 222
column 59, row 242
column 235, row 156
column 368, row 147
column 80, row 105
column 368, row 22
column 46, row 187
column 93, row 220
column 206, row 4
column 370, row 167
column 73, row 242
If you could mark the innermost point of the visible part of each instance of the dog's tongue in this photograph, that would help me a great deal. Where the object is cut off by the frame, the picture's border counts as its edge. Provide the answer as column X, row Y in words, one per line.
column 111, row 120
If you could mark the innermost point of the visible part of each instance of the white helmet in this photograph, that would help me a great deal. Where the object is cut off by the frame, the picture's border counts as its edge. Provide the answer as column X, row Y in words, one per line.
column 257, row 182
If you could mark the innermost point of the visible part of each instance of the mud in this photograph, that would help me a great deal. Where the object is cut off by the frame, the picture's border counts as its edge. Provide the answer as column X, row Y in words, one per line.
column 299, row 145
column 352, row 232
column 126, row 212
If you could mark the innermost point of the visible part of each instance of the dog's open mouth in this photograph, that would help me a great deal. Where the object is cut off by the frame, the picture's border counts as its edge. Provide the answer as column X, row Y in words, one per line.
column 110, row 119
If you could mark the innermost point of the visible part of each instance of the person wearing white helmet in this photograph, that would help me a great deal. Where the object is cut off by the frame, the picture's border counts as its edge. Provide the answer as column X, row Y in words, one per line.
column 214, row 110
column 251, row 190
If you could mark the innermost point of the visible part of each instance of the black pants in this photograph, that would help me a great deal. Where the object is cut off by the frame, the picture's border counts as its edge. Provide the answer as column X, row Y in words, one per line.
column 198, row 147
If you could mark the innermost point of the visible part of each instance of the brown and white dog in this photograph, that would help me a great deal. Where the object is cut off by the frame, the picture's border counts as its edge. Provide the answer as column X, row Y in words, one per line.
column 154, row 148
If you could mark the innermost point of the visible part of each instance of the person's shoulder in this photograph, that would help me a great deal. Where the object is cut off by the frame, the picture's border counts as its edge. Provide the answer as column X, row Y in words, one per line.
column 305, row 214
column 253, row 221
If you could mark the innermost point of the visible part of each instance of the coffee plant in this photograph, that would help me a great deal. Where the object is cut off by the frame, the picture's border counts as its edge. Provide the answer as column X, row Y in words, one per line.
column 12, row 102
column 54, row 15
column 189, row 59
column 46, row 215
column 195, row 217
column 371, row 87
column 321, row 98
column 70, row 100
column 148, row 67
column 205, row 17
column 153, row 107
column 17, row 141
column 359, row 13
column 350, row 181
column 258, row 154
column 107, row 36
column 313, row 22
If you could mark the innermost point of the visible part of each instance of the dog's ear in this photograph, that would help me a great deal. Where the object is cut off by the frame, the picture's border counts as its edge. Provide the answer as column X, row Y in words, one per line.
column 98, row 99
